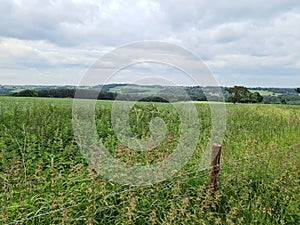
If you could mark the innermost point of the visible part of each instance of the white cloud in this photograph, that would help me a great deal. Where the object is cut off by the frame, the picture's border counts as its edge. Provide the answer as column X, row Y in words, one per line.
column 242, row 41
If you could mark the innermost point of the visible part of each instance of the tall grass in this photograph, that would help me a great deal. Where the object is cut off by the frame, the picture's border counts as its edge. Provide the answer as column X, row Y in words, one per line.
column 43, row 173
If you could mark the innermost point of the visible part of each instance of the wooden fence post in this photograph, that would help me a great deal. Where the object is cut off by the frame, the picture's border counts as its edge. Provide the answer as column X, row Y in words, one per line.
column 215, row 167
column 213, row 175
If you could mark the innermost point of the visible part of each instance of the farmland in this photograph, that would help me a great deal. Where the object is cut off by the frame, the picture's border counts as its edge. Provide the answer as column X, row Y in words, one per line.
column 270, row 95
column 44, row 178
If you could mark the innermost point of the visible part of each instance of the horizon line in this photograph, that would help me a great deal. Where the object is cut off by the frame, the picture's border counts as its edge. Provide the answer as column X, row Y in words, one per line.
column 63, row 85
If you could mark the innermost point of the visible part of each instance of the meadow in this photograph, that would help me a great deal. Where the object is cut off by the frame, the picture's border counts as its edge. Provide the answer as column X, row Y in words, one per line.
column 45, row 179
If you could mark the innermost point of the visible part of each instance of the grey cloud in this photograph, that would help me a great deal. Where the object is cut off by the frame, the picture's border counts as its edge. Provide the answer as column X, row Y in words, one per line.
column 209, row 13
column 234, row 37
column 67, row 23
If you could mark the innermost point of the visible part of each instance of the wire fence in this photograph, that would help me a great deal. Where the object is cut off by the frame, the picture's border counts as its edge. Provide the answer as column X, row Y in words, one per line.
column 200, row 174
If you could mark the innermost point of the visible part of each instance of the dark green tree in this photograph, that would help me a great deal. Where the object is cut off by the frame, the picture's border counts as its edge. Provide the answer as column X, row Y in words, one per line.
column 237, row 94
column 256, row 97
column 297, row 90
column 26, row 93
column 241, row 94
column 283, row 101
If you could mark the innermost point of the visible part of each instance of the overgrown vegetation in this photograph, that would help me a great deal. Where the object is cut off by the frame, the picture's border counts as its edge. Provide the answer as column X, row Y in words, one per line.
column 44, row 177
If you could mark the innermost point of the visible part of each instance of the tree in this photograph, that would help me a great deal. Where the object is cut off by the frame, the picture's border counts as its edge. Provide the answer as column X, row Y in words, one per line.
column 26, row 93
column 297, row 90
column 283, row 101
column 243, row 95
column 256, row 97
column 237, row 93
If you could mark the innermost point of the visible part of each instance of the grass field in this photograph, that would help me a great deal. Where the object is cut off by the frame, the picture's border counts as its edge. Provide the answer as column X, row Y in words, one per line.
column 136, row 89
column 265, row 93
column 44, row 178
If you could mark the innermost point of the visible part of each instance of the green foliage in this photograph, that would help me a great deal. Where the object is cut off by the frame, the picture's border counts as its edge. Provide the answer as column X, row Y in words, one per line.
column 57, row 93
column 283, row 101
column 26, row 93
column 297, row 90
column 240, row 94
column 42, row 169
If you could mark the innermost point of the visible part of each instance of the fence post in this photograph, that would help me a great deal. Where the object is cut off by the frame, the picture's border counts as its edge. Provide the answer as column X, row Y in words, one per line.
column 213, row 175
column 215, row 167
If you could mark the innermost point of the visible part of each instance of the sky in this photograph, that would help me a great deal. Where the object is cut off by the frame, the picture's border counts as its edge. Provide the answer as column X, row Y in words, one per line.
column 255, row 43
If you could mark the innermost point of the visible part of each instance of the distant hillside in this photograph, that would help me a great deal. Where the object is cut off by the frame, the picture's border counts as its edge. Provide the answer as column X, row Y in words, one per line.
column 7, row 89
column 278, row 95
column 173, row 93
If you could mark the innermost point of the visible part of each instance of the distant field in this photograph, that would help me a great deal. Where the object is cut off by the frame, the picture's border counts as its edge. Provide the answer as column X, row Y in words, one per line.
column 266, row 93
column 44, row 178
column 130, row 89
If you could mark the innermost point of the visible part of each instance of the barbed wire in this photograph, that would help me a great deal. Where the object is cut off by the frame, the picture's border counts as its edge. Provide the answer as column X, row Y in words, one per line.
column 204, row 172
column 263, row 153
column 43, row 214
column 278, row 150
column 276, row 174
column 72, row 220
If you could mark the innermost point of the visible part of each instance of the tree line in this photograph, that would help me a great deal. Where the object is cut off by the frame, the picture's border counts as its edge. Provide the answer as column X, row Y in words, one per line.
column 60, row 93
column 106, row 95
column 236, row 94
column 240, row 94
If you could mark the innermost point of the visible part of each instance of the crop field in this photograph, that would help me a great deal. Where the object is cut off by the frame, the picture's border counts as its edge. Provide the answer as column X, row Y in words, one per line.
column 45, row 179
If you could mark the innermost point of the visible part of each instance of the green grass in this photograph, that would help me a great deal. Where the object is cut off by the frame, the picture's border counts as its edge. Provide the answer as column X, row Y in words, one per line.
column 136, row 89
column 42, row 168
column 265, row 93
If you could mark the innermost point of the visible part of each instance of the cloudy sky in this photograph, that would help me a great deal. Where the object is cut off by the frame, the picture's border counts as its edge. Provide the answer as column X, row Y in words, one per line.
column 243, row 42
